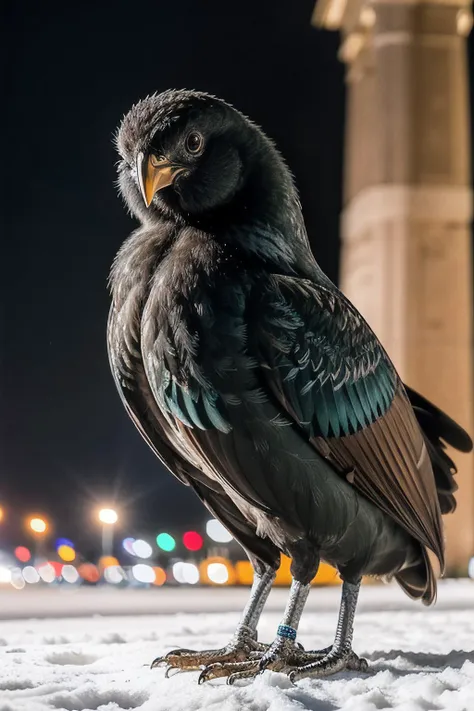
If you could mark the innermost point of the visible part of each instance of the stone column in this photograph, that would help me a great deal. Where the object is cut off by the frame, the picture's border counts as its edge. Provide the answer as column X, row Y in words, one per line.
column 406, row 257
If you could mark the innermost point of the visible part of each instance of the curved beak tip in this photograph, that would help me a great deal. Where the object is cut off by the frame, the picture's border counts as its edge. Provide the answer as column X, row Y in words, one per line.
column 154, row 176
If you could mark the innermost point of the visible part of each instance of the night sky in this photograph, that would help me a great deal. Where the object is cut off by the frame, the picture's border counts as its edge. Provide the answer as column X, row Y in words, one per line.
column 72, row 71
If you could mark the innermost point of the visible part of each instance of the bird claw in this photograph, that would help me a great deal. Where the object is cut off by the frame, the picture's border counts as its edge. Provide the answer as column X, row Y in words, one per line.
column 236, row 652
column 174, row 659
column 231, row 670
column 332, row 662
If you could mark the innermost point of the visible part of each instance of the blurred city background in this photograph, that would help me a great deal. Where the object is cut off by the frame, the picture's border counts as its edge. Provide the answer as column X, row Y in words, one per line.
column 368, row 102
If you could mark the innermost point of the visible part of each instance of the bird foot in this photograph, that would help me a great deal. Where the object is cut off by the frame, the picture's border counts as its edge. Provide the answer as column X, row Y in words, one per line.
column 242, row 648
column 289, row 658
column 327, row 662
column 280, row 656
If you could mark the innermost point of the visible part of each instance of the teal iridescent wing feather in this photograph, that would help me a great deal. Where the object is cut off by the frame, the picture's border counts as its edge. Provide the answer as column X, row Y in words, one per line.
column 332, row 371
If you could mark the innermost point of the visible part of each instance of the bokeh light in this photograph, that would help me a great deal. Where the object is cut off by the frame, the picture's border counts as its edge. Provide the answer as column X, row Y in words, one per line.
column 192, row 541
column 30, row 575
column 5, row 574
column 89, row 572
column 64, row 542
column 185, row 573
column 17, row 579
column 217, row 532
column 141, row 548
column 22, row 553
column 108, row 561
column 160, row 576
column 38, row 525
column 470, row 569
column 143, row 573
column 109, row 516
column 218, row 573
column 127, row 545
column 70, row 574
column 57, row 567
column 114, row 574
column 66, row 553
column 166, row 542
column 47, row 573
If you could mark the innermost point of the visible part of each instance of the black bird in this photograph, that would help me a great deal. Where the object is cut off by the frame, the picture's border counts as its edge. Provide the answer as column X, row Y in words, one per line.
column 259, row 385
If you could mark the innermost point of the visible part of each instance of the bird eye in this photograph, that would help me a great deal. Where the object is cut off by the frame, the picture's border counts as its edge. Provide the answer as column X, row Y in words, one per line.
column 194, row 142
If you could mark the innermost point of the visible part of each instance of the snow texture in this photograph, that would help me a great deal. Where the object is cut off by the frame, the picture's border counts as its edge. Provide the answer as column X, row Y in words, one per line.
column 420, row 659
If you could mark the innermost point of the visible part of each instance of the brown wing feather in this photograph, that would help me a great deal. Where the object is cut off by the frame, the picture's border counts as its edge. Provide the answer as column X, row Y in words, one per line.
column 389, row 463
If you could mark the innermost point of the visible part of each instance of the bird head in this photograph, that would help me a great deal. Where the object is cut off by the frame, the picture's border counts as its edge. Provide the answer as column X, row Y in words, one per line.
column 190, row 155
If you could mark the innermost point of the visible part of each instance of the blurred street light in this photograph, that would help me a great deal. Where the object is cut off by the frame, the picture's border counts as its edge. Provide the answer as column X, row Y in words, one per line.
column 2, row 513
column 108, row 517
column 38, row 525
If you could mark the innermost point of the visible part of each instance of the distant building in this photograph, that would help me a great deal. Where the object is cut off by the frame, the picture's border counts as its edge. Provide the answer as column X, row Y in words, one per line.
column 406, row 255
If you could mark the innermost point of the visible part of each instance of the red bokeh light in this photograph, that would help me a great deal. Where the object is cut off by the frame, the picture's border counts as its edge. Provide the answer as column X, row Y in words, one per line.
column 23, row 554
column 57, row 567
column 193, row 541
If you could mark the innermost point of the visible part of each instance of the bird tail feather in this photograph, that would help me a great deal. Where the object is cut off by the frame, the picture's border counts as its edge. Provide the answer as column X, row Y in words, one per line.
column 419, row 580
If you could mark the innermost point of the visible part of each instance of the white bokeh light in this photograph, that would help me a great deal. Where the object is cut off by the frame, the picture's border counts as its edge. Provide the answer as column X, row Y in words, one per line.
column 70, row 574
column 217, row 573
column 114, row 574
column 141, row 548
column 47, row 573
column 17, row 579
column 217, row 532
column 143, row 573
column 5, row 574
column 186, row 573
column 108, row 516
column 30, row 575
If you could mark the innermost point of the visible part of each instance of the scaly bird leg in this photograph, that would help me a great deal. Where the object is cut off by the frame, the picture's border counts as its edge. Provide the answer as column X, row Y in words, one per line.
column 243, row 645
column 340, row 656
column 285, row 656
column 281, row 655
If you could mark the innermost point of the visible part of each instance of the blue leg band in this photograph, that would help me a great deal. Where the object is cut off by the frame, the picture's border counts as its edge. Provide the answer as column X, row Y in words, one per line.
column 286, row 631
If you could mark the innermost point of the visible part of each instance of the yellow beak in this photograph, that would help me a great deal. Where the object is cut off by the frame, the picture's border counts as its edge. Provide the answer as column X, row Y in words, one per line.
column 154, row 174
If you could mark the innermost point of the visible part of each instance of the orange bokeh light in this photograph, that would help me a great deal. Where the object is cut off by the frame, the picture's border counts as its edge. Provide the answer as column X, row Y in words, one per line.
column 89, row 572
column 160, row 576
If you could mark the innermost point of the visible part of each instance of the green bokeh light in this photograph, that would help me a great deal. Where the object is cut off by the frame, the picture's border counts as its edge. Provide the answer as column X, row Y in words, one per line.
column 165, row 542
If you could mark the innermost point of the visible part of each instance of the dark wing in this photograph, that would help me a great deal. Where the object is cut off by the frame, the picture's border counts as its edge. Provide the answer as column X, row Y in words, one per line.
column 127, row 369
column 329, row 372
column 136, row 395
column 440, row 430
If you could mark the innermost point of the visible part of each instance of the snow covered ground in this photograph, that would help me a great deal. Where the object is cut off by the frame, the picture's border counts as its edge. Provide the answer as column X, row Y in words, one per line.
column 420, row 659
